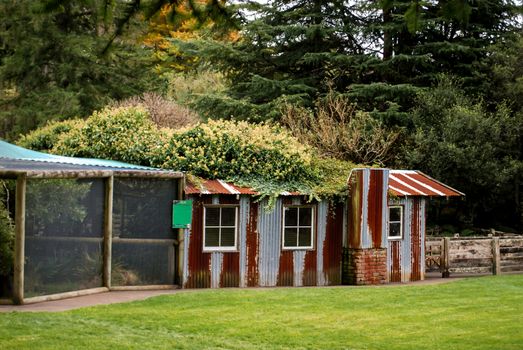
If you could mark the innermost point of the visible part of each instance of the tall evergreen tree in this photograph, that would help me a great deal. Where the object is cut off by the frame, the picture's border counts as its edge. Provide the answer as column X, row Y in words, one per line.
column 52, row 64
column 421, row 40
column 287, row 52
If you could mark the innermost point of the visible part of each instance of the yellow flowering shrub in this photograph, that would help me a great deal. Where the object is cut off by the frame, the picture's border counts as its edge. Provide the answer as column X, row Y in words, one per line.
column 124, row 134
column 229, row 150
column 44, row 138
column 265, row 157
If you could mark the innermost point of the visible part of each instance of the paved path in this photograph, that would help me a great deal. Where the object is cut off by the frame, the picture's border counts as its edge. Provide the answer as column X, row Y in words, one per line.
column 87, row 300
column 126, row 296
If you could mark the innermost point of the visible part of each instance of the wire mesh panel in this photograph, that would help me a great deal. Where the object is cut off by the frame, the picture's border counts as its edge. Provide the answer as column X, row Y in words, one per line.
column 64, row 235
column 143, row 251
column 7, row 236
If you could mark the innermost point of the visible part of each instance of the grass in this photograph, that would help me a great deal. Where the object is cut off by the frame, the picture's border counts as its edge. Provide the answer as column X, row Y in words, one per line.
column 477, row 313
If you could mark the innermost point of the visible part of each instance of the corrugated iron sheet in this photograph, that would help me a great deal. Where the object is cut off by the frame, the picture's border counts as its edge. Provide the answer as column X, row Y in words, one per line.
column 260, row 261
column 216, row 187
column 223, row 187
column 415, row 183
column 405, row 256
column 367, row 208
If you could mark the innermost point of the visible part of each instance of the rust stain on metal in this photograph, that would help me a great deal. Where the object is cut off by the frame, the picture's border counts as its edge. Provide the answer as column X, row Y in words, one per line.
column 286, row 269
column 230, row 275
column 309, row 268
column 355, row 209
column 333, row 244
column 252, row 246
column 395, row 269
column 415, row 241
column 375, row 207
column 199, row 262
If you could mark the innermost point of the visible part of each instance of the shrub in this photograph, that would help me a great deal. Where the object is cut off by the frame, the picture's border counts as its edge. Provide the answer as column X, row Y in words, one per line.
column 164, row 113
column 124, row 134
column 228, row 149
column 336, row 129
column 45, row 138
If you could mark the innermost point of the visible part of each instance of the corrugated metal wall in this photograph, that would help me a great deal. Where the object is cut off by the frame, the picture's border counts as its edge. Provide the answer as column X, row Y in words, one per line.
column 368, row 203
column 260, row 261
column 405, row 257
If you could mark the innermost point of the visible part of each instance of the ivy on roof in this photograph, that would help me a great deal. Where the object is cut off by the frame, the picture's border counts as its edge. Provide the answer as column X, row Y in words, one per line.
column 265, row 157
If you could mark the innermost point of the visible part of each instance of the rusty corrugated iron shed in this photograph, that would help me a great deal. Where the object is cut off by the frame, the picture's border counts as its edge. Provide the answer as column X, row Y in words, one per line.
column 415, row 183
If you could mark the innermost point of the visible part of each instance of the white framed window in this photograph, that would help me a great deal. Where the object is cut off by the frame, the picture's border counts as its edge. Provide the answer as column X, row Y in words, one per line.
column 395, row 222
column 220, row 226
column 298, row 227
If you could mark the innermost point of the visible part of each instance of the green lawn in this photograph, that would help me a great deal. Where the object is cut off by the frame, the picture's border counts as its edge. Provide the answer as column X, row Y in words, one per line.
column 478, row 313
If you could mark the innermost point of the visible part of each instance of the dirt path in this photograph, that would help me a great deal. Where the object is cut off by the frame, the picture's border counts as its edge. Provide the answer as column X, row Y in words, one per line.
column 126, row 296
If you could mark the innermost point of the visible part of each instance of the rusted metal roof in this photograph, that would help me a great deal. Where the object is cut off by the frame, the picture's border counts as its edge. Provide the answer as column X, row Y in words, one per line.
column 415, row 183
column 223, row 187
column 401, row 183
column 217, row 187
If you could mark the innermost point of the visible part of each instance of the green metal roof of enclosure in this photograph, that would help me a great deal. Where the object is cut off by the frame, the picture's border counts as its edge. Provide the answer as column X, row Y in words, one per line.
column 10, row 151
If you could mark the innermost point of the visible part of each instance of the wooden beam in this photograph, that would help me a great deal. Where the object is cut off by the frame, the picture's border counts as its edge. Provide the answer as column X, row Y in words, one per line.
column 108, row 231
column 181, row 235
column 18, row 278
column 496, row 258
column 65, row 295
column 445, row 258
column 147, row 287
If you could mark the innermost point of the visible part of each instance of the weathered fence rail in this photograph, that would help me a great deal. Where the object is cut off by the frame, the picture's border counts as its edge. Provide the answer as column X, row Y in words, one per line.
column 478, row 255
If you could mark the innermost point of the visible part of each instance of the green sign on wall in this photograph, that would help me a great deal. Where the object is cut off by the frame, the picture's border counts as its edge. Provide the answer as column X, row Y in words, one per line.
column 182, row 213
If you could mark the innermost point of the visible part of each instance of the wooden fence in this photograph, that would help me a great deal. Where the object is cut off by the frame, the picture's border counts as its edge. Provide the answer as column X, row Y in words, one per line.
column 494, row 255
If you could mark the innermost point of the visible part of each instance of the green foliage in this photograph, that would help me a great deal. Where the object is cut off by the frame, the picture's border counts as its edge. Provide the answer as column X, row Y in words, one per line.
column 7, row 234
column 288, row 53
column 54, row 63
column 263, row 156
column 55, row 203
column 46, row 137
column 461, row 143
column 226, row 148
column 124, row 134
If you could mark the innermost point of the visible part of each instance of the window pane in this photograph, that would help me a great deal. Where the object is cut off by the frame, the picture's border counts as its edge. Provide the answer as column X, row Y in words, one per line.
column 305, row 216
column 212, row 216
column 395, row 214
column 212, row 237
column 305, row 237
column 291, row 237
column 395, row 229
column 228, row 216
column 227, row 237
column 291, row 216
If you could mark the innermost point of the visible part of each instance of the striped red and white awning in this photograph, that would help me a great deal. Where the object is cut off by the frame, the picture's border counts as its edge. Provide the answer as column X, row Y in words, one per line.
column 416, row 183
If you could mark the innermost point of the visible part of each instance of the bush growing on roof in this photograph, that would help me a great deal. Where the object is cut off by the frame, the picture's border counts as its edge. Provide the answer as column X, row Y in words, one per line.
column 45, row 138
column 263, row 156
column 124, row 134
column 229, row 149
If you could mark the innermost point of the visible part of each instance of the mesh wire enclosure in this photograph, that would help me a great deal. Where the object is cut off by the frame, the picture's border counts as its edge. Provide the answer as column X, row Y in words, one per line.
column 63, row 235
column 7, row 236
column 143, row 250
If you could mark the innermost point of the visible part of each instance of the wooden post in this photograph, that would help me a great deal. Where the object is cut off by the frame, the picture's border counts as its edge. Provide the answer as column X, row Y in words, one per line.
column 18, row 278
column 496, row 258
column 181, row 235
column 108, row 231
column 445, row 258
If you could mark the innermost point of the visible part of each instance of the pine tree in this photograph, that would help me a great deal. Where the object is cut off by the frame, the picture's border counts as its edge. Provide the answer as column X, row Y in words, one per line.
column 287, row 53
column 53, row 64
